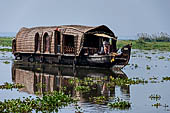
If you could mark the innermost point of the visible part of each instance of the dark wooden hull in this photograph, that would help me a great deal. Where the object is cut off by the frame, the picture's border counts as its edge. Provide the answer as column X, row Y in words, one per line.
column 104, row 61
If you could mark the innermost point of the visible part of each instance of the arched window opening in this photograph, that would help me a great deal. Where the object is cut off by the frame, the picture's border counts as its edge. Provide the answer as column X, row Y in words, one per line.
column 46, row 43
column 37, row 42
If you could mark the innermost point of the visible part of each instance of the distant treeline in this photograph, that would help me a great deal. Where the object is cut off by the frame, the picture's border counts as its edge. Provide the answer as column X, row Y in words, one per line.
column 158, row 37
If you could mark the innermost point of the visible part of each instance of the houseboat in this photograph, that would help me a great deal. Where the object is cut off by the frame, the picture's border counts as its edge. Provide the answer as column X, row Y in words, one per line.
column 70, row 45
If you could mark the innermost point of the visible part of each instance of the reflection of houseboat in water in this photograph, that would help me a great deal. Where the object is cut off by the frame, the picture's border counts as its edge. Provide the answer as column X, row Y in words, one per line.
column 70, row 44
column 44, row 78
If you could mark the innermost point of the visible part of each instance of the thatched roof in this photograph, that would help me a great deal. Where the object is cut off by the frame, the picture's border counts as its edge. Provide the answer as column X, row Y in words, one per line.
column 25, row 37
column 80, row 28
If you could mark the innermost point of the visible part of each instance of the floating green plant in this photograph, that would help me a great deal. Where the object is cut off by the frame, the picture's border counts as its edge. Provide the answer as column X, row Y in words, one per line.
column 82, row 88
column 126, row 81
column 155, row 97
column 161, row 57
column 166, row 78
column 120, row 104
column 136, row 65
column 153, row 78
column 154, row 81
column 156, row 105
column 165, row 105
column 50, row 102
column 133, row 56
column 98, row 100
column 78, row 109
column 10, row 86
column 148, row 57
column 148, row 67
column 6, row 49
column 6, row 62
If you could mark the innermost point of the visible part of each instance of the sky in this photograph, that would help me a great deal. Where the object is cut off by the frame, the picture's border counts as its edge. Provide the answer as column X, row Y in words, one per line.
column 123, row 17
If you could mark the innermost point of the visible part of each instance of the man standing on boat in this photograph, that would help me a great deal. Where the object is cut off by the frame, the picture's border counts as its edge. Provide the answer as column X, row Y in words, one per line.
column 106, row 46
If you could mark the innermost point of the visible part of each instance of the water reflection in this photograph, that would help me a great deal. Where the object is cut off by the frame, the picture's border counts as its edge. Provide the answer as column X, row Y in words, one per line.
column 44, row 77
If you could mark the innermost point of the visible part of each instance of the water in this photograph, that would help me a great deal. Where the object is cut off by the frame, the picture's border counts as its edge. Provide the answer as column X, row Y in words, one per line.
column 54, row 77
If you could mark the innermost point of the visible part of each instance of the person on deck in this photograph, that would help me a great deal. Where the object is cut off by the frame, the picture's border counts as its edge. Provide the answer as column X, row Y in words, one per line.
column 106, row 47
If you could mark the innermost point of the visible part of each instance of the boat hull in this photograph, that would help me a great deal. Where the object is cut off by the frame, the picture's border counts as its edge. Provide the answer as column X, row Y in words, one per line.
column 105, row 61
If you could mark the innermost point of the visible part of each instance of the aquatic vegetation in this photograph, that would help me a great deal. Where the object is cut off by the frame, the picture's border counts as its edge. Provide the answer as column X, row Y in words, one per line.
column 50, row 102
column 78, row 109
column 126, row 81
column 153, row 81
column 165, row 105
column 3, row 53
column 166, row 78
column 148, row 67
column 98, row 100
column 6, row 49
column 156, row 105
column 155, row 97
column 120, row 104
column 6, row 62
column 82, row 88
column 133, row 56
column 148, row 57
column 145, row 53
column 11, row 86
column 134, row 52
column 161, row 57
column 136, row 65
column 38, row 93
column 153, row 78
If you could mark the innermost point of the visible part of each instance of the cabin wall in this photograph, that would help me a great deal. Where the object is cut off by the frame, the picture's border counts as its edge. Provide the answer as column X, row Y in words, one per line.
column 78, row 38
column 25, row 40
column 19, row 39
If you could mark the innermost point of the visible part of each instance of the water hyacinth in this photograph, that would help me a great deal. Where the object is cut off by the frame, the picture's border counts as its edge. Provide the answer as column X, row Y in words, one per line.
column 11, row 86
column 155, row 97
column 166, row 78
column 82, row 88
column 119, row 104
column 98, row 100
column 126, row 81
column 50, row 102
column 6, row 62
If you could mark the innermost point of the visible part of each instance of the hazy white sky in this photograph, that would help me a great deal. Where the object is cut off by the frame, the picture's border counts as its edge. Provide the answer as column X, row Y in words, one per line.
column 124, row 17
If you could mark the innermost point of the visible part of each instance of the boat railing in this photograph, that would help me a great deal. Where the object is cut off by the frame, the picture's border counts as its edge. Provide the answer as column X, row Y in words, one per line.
column 90, row 50
column 68, row 49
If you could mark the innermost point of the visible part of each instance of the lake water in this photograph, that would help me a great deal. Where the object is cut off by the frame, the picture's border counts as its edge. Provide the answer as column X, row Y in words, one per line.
column 143, row 64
